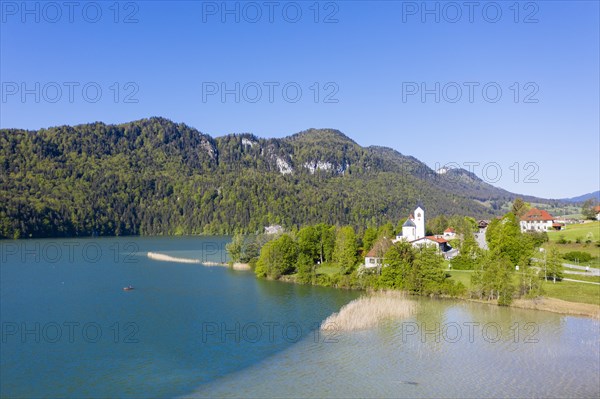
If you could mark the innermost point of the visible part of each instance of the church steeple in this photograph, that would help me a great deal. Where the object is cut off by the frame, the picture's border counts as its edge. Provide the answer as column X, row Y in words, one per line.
column 419, row 222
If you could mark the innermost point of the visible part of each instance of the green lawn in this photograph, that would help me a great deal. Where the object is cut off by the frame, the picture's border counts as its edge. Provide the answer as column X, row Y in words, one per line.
column 574, row 231
column 565, row 290
column 573, row 292
column 327, row 269
column 582, row 277
column 463, row 276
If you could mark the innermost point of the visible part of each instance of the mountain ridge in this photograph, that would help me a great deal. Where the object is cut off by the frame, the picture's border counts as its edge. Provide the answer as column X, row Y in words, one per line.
column 155, row 176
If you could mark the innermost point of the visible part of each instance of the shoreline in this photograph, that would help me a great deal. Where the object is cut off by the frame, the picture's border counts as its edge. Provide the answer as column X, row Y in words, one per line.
column 546, row 304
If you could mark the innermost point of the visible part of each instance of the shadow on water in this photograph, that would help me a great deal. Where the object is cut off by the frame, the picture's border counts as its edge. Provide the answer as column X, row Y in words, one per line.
column 184, row 324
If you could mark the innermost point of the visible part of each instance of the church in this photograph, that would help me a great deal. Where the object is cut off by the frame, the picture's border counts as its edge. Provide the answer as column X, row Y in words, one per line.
column 413, row 231
column 414, row 227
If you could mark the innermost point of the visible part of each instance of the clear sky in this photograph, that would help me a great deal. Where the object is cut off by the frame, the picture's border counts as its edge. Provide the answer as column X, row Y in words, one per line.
column 422, row 79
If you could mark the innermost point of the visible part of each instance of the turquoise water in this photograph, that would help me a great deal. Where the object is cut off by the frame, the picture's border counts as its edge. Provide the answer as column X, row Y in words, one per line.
column 167, row 341
column 191, row 330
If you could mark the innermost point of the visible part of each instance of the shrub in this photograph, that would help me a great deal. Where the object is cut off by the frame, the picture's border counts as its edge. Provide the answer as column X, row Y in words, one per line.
column 580, row 256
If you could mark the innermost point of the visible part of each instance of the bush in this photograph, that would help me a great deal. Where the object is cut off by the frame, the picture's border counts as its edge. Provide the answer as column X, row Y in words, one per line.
column 580, row 256
column 561, row 239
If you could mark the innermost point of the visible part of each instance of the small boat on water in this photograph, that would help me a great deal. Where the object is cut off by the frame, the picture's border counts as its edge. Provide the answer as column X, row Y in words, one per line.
column 128, row 288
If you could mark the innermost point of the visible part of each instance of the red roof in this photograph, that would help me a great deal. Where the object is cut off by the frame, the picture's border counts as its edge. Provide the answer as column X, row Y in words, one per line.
column 557, row 225
column 449, row 230
column 535, row 214
column 439, row 240
column 597, row 209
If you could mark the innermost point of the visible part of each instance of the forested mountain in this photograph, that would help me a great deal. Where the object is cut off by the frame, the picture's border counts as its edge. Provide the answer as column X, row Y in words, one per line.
column 582, row 198
column 154, row 176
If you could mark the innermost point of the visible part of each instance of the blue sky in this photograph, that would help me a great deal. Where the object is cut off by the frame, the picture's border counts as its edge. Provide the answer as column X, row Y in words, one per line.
column 369, row 63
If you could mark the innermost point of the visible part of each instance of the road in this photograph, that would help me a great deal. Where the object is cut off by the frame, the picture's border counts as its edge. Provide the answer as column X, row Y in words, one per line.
column 579, row 281
column 592, row 272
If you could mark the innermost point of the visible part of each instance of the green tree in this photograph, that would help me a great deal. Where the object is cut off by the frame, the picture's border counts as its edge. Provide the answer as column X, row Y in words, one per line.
column 387, row 231
column 309, row 243
column 326, row 235
column 427, row 274
column 520, row 207
column 277, row 258
column 530, row 283
column 504, row 237
column 437, row 224
column 469, row 254
column 397, row 272
column 369, row 238
column 493, row 280
column 344, row 253
column 553, row 264
column 587, row 209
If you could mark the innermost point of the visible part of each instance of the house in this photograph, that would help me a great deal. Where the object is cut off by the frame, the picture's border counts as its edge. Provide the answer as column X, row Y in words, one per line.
column 597, row 210
column 483, row 224
column 273, row 229
column 449, row 233
column 374, row 257
column 539, row 220
column 440, row 243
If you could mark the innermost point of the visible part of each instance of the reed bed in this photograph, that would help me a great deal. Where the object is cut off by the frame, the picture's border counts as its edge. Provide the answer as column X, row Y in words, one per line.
column 369, row 311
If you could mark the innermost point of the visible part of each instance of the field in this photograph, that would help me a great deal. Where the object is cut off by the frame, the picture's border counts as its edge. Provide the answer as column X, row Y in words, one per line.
column 573, row 292
column 582, row 277
column 328, row 269
column 584, row 232
column 565, row 290
column 572, row 232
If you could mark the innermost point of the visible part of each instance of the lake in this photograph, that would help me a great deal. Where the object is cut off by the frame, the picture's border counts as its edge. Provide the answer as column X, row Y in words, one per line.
column 70, row 330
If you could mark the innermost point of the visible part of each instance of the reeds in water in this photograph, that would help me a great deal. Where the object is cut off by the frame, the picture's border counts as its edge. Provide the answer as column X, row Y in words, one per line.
column 369, row 311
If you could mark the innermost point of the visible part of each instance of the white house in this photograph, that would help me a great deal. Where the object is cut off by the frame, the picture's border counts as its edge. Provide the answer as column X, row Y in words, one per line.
column 538, row 220
column 597, row 209
column 273, row 229
column 374, row 257
column 440, row 243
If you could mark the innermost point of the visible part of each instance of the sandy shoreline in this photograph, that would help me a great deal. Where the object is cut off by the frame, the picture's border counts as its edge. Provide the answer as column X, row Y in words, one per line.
column 559, row 306
column 167, row 258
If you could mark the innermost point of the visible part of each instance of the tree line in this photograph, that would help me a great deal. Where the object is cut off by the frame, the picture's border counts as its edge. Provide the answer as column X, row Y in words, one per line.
column 329, row 255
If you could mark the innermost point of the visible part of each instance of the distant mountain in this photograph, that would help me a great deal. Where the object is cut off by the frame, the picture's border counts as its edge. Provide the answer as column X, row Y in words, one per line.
column 582, row 198
column 154, row 176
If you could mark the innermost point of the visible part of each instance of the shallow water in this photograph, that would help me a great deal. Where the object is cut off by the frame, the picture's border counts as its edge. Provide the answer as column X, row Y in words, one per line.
column 69, row 330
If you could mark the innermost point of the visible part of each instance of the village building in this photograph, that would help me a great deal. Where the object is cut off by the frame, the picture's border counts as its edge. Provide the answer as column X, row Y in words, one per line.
column 413, row 232
column 539, row 220
column 273, row 229
column 483, row 224
column 374, row 257
column 597, row 209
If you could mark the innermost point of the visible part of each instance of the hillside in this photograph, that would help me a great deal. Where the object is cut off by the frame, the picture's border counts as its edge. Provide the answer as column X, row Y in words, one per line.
column 154, row 176
column 582, row 198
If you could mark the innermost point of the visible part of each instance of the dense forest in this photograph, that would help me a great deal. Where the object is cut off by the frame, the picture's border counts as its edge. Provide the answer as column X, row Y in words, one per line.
column 154, row 177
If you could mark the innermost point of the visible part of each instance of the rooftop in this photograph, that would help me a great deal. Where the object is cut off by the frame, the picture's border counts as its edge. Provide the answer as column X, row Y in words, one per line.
column 535, row 214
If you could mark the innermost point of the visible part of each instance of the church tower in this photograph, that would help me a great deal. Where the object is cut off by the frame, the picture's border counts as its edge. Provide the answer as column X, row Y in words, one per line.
column 419, row 222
